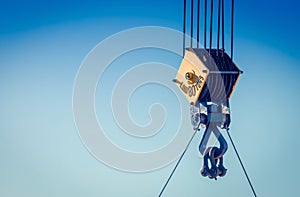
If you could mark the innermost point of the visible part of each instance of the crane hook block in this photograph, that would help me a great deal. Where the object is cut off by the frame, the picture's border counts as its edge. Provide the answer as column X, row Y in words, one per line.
column 207, row 75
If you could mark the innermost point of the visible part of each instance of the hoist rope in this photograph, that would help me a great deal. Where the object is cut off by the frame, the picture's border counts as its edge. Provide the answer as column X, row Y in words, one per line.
column 219, row 16
column 205, row 15
column 184, row 24
column 223, row 42
column 192, row 22
column 232, row 20
column 211, row 24
column 198, row 24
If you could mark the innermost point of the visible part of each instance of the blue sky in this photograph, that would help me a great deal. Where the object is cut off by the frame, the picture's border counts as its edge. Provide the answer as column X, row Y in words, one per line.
column 42, row 44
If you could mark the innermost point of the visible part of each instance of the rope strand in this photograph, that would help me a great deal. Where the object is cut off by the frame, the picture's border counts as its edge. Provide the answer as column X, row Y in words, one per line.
column 219, row 18
column 232, row 20
column 205, row 15
column 192, row 22
column 184, row 24
column 211, row 24
column 223, row 42
column 187, row 146
column 198, row 24
column 238, row 156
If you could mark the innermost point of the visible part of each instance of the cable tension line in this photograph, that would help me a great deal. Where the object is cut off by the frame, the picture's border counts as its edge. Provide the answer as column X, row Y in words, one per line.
column 186, row 148
column 238, row 156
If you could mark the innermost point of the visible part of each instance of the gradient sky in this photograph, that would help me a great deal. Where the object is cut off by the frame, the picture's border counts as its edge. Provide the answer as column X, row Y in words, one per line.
column 42, row 44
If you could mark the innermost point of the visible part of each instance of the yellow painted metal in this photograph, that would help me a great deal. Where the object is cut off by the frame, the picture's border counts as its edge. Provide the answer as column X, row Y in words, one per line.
column 234, row 83
column 192, row 76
